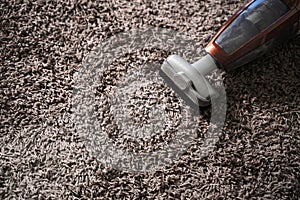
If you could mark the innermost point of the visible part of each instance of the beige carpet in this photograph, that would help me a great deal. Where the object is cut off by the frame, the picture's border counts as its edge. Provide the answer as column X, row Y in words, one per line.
column 43, row 156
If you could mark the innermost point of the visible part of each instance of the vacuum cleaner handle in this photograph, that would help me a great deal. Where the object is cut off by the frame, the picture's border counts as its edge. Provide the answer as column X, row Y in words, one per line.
column 257, row 28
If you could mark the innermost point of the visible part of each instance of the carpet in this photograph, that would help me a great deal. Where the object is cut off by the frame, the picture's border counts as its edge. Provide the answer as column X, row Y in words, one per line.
column 43, row 154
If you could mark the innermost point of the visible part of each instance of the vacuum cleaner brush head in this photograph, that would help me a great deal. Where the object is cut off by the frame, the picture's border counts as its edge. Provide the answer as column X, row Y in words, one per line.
column 188, row 80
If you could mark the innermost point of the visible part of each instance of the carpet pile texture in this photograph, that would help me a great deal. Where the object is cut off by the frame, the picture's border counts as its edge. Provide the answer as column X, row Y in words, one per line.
column 43, row 156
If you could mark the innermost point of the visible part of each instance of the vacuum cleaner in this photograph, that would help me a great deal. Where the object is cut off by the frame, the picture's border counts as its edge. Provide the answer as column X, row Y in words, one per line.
column 255, row 29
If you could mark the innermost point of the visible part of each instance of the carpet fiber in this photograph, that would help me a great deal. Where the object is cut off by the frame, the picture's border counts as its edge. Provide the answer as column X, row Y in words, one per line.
column 42, row 155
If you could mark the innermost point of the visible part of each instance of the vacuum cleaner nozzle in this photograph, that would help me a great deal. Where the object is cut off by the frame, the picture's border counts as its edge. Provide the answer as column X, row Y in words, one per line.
column 188, row 80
